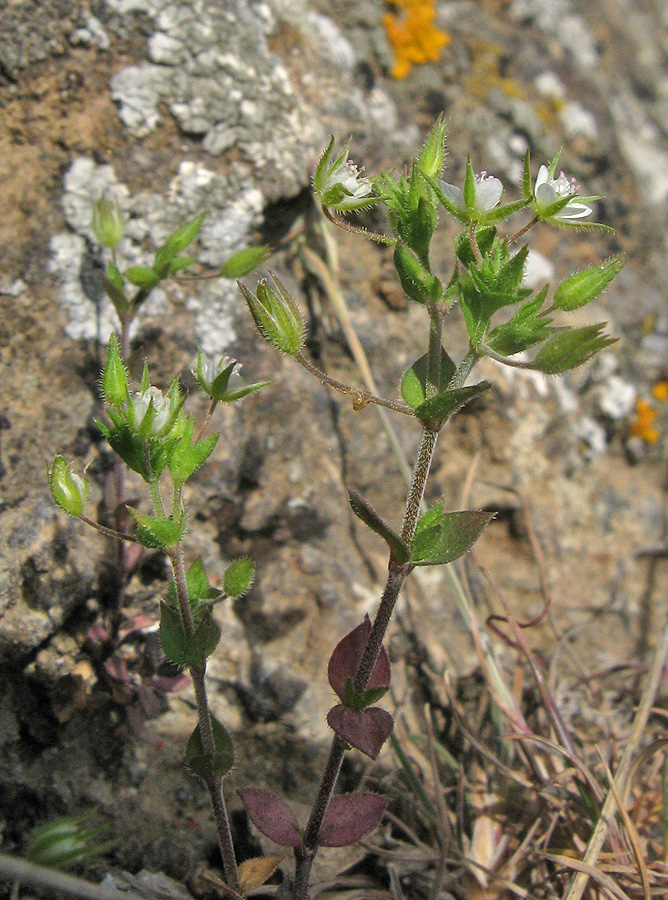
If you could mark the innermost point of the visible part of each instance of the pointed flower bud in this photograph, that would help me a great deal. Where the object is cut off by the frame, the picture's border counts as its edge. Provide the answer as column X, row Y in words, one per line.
column 107, row 222
column 114, row 375
column 69, row 491
column 276, row 315
column 432, row 156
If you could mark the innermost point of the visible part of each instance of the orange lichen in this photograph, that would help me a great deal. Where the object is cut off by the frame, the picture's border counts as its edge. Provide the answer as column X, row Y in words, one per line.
column 413, row 35
column 643, row 422
column 660, row 391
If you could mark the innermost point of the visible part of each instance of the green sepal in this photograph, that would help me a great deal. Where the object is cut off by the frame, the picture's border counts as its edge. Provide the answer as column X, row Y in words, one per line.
column 186, row 457
column 571, row 348
column 416, row 280
column 476, row 315
column 352, row 700
column 142, row 277
column 582, row 287
column 239, row 577
column 203, row 642
column 501, row 213
column 442, row 406
column 202, row 764
column 499, row 278
column 176, row 243
column 414, row 382
column 443, row 537
column 114, row 381
column 63, row 843
column 469, row 190
column 526, row 177
column 398, row 549
column 245, row 261
column 158, row 532
column 525, row 329
column 126, row 443
column 172, row 634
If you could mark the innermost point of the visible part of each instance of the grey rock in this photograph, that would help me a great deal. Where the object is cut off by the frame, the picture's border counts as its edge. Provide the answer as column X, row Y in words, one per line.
column 615, row 398
column 92, row 34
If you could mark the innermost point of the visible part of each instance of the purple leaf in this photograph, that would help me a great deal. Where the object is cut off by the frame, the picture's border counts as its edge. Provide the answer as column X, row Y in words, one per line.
column 365, row 729
column 272, row 816
column 349, row 817
column 345, row 660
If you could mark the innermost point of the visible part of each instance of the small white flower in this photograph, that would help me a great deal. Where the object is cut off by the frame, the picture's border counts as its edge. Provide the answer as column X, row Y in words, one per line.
column 549, row 189
column 208, row 371
column 488, row 190
column 340, row 183
column 162, row 407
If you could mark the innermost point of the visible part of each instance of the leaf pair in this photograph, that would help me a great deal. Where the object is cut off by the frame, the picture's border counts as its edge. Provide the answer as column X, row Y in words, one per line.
column 349, row 818
column 437, row 408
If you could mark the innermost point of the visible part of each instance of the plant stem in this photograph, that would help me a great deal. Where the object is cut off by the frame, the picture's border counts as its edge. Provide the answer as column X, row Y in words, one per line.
column 397, row 574
column 434, row 357
column 198, row 674
column 118, row 536
column 359, row 395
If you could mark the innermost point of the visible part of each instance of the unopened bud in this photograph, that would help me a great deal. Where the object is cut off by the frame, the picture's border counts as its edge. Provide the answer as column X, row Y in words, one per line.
column 276, row 315
column 107, row 223
column 69, row 491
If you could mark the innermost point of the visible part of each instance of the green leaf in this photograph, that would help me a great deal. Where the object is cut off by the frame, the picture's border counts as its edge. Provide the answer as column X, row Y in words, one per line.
column 447, row 539
column 142, row 277
column 172, row 635
column 180, row 263
column 432, row 156
column 582, row 287
column 570, row 348
column 203, row 642
column 414, row 382
column 178, row 240
column 128, row 445
column 442, row 406
column 197, row 584
column 526, row 177
column 158, row 532
column 239, row 577
column 216, row 766
column 243, row 262
column 398, row 549
column 352, row 700
column 484, row 234
column 523, row 330
column 469, row 188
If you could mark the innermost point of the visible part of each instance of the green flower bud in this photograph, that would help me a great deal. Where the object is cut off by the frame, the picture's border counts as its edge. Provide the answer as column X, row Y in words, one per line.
column 582, row 287
column 432, row 156
column 114, row 375
column 416, row 280
column 276, row 315
column 69, row 491
column 107, row 223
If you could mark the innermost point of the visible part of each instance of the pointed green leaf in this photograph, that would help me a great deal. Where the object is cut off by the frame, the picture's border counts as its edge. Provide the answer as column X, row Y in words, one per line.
column 197, row 584
column 416, row 280
column 203, row 642
column 184, row 235
column 442, row 406
column 398, row 549
column 414, row 382
column 114, row 375
column 455, row 533
column 186, row 458
column 243, row 262
column 200, row 763
column 469, row 188
column 239, row 577
column 172, row 635
column 526, row 177
column 142, row 277
column 158, row 532
column 181, row 262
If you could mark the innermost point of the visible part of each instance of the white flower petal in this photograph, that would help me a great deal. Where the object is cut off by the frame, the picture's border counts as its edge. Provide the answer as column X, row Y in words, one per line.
column 573, row 210
column 545, row 194
column 487, row 193
column 542, row 177
column 454, row 194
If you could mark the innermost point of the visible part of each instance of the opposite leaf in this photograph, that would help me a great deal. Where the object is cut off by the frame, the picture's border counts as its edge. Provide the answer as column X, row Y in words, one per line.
column 442, row 406
column 272, row 816
column 445, row 539
column 239, row 577
column 223, row 758
column 365, row 729
column 414, row 382
column 345, row 660
column 349, row 817
column 398, row 549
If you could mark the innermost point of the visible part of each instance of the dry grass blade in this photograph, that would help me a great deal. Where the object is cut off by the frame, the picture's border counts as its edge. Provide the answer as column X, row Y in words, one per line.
column 598, row 836
column 632, row 835
column 589, row 872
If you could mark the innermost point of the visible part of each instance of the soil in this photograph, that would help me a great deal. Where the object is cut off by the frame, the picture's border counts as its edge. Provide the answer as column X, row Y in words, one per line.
column 585, row 532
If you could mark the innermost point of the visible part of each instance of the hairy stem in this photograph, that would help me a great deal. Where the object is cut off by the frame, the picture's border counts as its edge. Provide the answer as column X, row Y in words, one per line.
column 397, row 574
column 359, row 395
column 434, row 357
column 198, row 674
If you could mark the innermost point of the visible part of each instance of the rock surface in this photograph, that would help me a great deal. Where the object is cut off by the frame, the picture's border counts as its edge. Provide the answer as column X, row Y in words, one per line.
column 175, row 108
